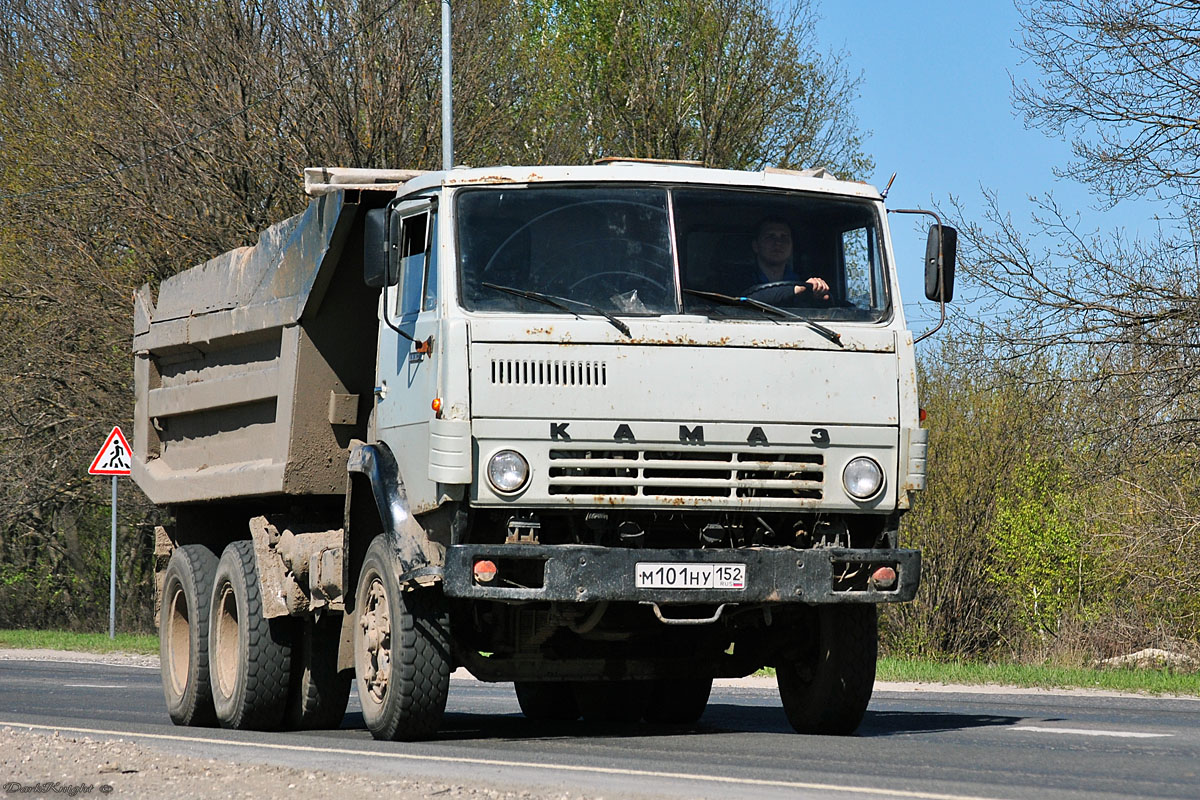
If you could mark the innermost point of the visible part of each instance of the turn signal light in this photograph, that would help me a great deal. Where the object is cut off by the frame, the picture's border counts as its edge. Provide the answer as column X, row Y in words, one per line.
column 436, row 404
column 485, row 571
column 882, row 578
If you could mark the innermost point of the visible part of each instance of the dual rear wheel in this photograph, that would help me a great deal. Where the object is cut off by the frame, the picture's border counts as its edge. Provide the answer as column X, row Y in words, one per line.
column 224, row 662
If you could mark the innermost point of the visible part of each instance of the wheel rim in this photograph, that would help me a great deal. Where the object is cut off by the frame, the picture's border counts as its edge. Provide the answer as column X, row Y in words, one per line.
column 375, row 650
column 178, row 640
column 224, row 650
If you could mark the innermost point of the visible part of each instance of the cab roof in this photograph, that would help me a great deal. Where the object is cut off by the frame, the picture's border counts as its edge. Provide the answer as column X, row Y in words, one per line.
column 322, row 180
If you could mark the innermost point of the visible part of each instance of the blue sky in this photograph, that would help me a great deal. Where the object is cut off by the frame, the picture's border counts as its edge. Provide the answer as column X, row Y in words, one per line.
column 936, row 96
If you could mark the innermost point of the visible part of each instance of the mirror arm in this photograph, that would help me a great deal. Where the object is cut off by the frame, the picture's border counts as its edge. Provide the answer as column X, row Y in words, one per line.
column 388, row 321
column 941, row 272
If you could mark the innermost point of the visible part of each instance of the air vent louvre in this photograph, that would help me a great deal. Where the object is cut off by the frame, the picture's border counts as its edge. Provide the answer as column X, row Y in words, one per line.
column 758, row 475
column 516, row 372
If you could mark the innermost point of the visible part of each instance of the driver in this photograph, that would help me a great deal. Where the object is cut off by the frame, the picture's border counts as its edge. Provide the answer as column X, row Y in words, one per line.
column 772, row 246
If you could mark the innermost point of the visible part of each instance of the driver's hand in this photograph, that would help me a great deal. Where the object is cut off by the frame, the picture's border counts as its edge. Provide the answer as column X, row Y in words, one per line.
column 817, row 286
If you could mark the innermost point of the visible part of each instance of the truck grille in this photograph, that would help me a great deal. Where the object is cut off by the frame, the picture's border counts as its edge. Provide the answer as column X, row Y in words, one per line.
column 687, row 473
column 520, row 372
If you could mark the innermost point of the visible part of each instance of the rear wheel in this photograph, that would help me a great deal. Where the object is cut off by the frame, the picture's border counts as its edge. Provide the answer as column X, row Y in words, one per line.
column 401, row 651
column 826, row 679
column 678, row 702
column 183, row 634
column 250, row 654
column 319, row 693
column 547, row 700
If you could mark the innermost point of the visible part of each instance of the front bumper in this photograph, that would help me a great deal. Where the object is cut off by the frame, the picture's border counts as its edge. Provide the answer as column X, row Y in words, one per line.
column 586, row 574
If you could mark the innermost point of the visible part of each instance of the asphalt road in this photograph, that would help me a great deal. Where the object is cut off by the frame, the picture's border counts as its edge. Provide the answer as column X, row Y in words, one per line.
column 912, row 744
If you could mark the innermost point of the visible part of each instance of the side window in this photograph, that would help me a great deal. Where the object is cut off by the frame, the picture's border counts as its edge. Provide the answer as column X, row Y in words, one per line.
column 431, row 266
column 414, row 241
column 858, row 258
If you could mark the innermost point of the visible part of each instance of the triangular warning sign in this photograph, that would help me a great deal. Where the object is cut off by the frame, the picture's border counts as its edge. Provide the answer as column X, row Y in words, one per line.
column 114, row 456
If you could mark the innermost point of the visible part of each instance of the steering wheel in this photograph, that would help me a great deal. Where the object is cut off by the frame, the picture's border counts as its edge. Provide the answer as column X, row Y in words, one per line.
column 808, row 296
column 762, row 287
column 618, row 272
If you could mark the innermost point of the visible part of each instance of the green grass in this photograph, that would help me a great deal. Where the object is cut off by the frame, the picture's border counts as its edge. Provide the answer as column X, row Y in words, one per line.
column 1153, row 681
column 1148, row 681
column 78, row 642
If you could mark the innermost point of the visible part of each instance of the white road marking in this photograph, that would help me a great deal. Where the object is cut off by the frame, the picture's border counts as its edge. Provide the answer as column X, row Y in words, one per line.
column 1091, row 732
column 492, row 762
column 93, row 686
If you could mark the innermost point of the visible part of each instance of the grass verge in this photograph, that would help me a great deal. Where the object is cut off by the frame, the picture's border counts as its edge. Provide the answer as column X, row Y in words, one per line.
column 1147, row 681
column 1153, row 681
column 79, row 642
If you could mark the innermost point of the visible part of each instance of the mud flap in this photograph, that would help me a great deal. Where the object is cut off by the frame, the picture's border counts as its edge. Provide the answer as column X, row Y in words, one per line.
column 418, row 559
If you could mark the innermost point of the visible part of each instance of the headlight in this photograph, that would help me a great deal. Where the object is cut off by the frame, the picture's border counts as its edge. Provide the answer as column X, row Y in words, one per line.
column 863, row 478
column 508, row 471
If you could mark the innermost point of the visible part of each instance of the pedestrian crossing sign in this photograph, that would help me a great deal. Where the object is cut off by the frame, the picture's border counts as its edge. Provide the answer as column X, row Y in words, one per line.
column 114, row 456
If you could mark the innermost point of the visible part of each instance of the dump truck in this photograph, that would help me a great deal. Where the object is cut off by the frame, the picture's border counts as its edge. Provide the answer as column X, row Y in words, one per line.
column 605, row 432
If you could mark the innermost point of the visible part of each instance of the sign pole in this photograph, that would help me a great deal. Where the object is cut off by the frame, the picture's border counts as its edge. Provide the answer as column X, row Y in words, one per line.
column 112, row 571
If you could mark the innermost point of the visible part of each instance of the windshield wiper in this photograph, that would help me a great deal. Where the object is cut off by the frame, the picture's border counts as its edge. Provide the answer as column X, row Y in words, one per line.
column 749, row 302
column 558, row 302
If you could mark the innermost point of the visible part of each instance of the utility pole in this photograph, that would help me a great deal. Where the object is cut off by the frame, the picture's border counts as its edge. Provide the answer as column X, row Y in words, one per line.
column 447, row 103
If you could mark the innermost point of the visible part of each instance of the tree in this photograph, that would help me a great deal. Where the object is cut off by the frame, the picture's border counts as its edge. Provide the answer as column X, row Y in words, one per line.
column 138, row 138
column 141, row 138
column 982, row 429
column 730, row 83
column 1106, row 323
column 1122, row 81
column 1038, row 546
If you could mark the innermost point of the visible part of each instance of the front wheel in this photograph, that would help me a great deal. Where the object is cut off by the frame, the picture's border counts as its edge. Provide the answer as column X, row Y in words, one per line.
column 827, row 675
column 401, row 651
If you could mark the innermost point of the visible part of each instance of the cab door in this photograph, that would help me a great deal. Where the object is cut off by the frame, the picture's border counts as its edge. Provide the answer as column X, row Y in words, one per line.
column 408, row 373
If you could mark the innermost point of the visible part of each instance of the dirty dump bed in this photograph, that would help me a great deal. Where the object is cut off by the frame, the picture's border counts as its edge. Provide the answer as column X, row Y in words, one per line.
column 253, row 371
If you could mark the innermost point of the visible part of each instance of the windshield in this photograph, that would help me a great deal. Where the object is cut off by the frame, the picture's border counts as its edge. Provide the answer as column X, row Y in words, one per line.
column 615, row 248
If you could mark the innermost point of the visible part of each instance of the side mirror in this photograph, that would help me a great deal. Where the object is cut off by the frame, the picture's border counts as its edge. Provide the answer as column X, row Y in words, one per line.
column 939, row 263
column 378, row 265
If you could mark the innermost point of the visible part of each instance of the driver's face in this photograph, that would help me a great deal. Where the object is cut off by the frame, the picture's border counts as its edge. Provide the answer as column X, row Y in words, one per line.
column 774, row 243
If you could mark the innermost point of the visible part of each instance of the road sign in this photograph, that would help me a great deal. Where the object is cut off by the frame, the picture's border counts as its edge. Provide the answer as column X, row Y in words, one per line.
column 113, row 458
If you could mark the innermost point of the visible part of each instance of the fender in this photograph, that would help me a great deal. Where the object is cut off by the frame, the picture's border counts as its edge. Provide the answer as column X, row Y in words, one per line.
column 418, row 558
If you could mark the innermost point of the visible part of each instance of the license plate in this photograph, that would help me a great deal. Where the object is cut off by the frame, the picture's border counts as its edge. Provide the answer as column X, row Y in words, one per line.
column 690, row 576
